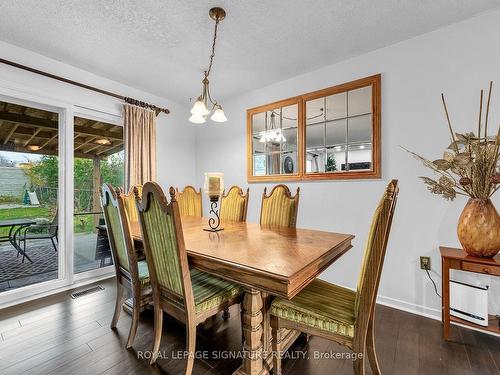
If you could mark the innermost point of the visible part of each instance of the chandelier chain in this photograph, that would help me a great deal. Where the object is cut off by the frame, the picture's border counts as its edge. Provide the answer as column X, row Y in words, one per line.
column 207, row 72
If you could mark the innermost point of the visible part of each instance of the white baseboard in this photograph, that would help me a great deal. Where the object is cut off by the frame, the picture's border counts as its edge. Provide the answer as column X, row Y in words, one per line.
column 428, row 312
column 75, row 285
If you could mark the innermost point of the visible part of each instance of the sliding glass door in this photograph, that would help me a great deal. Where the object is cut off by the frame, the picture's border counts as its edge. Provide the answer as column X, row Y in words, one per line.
column 98, row 158
column 29, row 196
column 54, row 157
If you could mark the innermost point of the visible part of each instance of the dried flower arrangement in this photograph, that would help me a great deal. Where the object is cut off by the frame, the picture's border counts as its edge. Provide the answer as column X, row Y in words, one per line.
column 470, row 165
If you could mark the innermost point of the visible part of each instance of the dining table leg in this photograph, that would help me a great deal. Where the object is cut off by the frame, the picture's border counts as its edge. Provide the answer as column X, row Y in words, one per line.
column 253, row 363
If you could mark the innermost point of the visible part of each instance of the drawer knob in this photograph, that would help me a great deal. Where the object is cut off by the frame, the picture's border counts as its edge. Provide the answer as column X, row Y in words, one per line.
column 486, row 270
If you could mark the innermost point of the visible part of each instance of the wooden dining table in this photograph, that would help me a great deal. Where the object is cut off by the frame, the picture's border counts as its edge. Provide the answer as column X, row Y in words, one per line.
column 269, row 262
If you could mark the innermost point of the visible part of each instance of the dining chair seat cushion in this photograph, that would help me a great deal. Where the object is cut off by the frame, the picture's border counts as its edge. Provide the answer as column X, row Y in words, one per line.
column 210, row 291
column 142, row 267
column 320, row 305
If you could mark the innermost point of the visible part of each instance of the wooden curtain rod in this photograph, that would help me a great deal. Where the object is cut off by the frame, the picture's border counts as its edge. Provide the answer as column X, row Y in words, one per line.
column 88, row 87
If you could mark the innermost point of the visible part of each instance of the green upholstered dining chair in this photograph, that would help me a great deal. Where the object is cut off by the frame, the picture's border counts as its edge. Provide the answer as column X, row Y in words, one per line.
column 130, row 207
column 188, row 295
column 340, row 314
column 131, row 275
column 189, row 201
column 279, row 207
column 234, row 204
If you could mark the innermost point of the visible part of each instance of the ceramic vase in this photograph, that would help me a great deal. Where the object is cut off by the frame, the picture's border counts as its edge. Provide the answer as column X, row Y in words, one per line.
column 479, row 228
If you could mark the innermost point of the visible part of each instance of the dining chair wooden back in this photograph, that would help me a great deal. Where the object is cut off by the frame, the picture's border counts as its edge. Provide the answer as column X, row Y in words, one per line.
column 279, row 207
column 187, row 294
column 234, row 204
column 129, row 202
column 337, row 313
column 131, row 274
column 189, row 201
column 372, row 264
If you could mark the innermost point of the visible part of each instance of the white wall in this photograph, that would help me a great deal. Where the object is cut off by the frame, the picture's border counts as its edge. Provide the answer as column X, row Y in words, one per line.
column 176, row 155
column 458, row 60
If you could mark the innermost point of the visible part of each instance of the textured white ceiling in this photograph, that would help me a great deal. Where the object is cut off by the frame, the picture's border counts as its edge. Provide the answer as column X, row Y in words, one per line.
column 162, row 46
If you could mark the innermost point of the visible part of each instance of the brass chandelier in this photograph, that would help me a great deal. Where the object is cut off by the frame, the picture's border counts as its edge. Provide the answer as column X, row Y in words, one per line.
column 200, row 110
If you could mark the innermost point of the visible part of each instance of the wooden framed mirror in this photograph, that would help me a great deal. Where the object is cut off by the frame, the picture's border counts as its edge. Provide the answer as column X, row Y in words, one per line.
column 273, row 135
column 332, row 133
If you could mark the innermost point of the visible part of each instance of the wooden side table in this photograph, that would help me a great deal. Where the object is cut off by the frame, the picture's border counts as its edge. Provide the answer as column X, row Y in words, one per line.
column 458, row 259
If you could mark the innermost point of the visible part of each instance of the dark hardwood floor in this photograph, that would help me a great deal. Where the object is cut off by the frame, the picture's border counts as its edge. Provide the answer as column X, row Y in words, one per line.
column 59, row 335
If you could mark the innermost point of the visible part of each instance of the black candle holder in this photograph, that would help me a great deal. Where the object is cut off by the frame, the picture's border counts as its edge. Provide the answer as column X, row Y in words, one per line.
column 214, row 222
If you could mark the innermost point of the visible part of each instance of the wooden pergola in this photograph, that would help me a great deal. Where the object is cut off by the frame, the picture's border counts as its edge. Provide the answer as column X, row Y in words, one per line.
column 35, row 131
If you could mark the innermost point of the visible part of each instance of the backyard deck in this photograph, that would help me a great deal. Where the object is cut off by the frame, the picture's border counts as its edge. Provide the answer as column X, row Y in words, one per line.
column 15, row 274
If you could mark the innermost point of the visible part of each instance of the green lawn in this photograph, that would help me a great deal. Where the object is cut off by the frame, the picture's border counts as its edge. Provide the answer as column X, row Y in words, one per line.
column 82, row 223
column 23, row 213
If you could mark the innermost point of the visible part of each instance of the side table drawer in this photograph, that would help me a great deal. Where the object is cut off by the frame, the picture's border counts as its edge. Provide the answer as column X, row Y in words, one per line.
column 481, row 268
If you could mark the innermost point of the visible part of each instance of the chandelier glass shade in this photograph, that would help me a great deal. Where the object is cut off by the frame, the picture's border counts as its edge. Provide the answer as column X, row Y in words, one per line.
column 205, row 105
column 273, row 133
column 218, row 115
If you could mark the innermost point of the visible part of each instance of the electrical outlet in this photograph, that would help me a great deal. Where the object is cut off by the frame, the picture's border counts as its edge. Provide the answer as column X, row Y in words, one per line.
column 425, row 263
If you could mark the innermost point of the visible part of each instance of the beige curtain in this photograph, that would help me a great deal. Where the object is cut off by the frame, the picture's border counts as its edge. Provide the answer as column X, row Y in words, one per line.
column 140, row 145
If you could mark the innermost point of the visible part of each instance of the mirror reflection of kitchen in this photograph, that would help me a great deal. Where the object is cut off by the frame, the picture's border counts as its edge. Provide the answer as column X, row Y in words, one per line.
column 339, row 132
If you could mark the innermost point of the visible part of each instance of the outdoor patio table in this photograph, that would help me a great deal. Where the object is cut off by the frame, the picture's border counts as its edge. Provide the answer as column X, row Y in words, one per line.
column 15, row 226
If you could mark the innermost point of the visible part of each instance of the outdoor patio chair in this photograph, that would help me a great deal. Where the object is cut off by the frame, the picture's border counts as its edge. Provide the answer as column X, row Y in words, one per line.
column 47, row 231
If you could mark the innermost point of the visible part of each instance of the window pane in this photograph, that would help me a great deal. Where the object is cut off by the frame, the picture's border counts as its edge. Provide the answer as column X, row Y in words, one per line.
column 29, row 182
column 259, row 165
column 360, row 129
column 289, row 162
column 258, row 122
column 315, row 135
column 258, row 146
column 335, row 159
column 336, row 132
column 274, row 137
column 315, row 160
column 336, row 106
column 315, row 111
column 273, row 163
column 289, row 115
column 360, row 101
column 288, row 122
column 360, row 157
column 290, row 135
column 98, row 159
